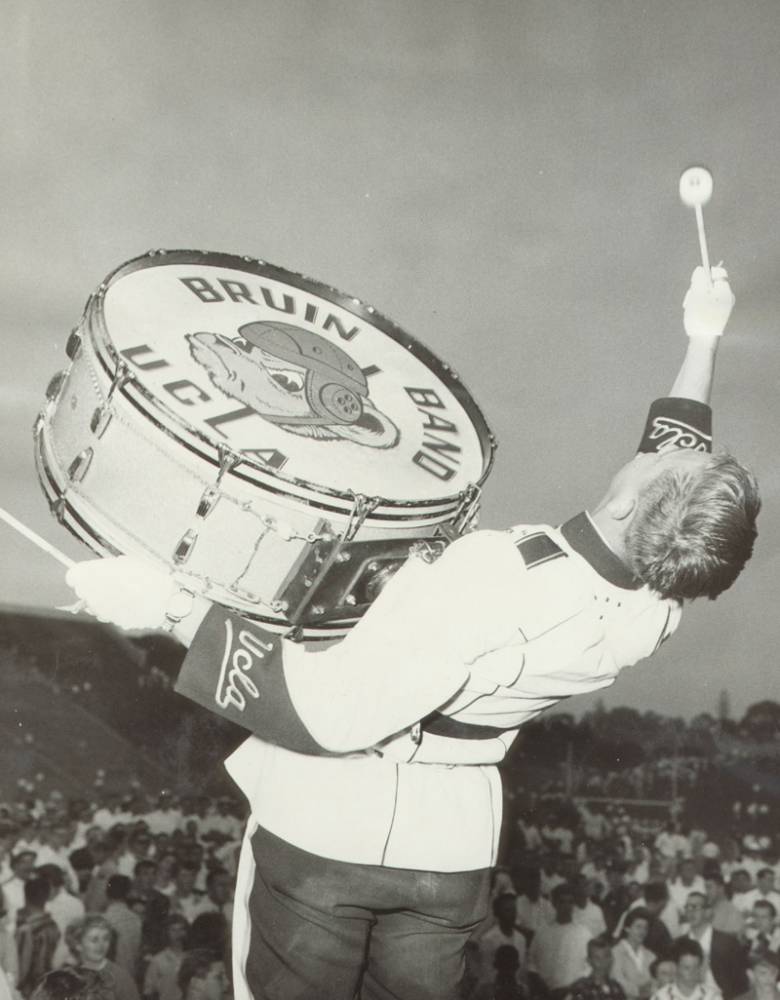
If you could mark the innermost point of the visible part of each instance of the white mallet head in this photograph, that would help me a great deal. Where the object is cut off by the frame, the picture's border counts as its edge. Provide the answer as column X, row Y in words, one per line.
column 695, row 186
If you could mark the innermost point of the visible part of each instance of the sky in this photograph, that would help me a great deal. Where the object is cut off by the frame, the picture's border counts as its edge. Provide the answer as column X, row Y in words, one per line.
column 500, row 178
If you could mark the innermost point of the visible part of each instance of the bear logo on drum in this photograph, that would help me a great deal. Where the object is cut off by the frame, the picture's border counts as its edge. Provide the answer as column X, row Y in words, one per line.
column 296, row 380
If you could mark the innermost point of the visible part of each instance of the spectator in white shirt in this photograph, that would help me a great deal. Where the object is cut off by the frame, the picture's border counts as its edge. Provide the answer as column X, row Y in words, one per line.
column 549, row 875
column 687, row 984
column 740, row 885
column 764, row 932
column 185, row 899
column 559, row 953
column 502, row 932
column 671, row 843
column 222, row 822
column 219, row 895
column 687, row 881
column 139, row 848
column 764, row 891
column 22, row 866
column 725, row 915
column 532, row 838
column 64, row 907
column 55, row 850
column 165, row 818
column 532, row 910
column 126, row 924
column 586, row 912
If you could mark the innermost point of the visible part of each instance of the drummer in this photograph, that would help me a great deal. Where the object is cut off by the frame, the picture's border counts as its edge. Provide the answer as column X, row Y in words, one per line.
column 365, row 871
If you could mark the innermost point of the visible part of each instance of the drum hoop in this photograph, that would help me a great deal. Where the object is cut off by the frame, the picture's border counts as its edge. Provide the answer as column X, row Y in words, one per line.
column 101, row 338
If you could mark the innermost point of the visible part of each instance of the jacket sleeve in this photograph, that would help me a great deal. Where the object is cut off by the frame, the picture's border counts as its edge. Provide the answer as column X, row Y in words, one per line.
column 387, row 674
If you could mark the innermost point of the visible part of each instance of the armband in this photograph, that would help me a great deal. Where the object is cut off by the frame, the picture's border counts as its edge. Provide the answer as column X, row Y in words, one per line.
column 680, row 422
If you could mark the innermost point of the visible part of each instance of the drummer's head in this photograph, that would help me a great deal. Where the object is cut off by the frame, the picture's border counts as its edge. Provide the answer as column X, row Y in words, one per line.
column 684, row 521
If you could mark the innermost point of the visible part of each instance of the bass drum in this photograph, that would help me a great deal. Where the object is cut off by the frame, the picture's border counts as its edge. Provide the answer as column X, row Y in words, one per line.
column 225, row 417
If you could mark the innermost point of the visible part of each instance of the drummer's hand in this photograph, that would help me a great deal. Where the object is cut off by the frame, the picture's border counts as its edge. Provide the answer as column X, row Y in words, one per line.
column 123, row 590
column 708, row 304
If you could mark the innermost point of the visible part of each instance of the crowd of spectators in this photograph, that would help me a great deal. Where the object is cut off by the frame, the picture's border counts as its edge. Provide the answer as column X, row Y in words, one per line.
column 132, row 898
column 594, row 902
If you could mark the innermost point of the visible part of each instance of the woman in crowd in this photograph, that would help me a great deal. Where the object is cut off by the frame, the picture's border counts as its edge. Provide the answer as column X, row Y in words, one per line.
column 90, row 940
column 202, row 976
column 631, row 960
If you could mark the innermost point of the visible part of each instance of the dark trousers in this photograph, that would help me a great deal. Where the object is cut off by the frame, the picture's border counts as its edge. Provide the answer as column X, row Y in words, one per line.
column 327, row 930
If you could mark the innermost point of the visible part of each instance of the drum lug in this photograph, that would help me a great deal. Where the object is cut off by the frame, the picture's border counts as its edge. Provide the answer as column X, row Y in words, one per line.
column 73, row 345
column 54, row 387
column 208, row 501
column 79, row 467
column 101, row 418
column 185, row 545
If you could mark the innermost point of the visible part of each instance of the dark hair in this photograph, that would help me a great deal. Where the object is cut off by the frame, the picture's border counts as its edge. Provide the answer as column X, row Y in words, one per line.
column 657, row 961
column 694, row 529
column 506, row 958
column 118, row 887
column 16, row 858
column 69, row 984
column 195, row 965
column 655, row 892
column 53, row 874
column 500, row 899
column 638, row 913
column 560, row 890
column 687, row 946
column 214, row 874
column 37, row 891
column 598, row 944
column 765, row 904
column 208, row 931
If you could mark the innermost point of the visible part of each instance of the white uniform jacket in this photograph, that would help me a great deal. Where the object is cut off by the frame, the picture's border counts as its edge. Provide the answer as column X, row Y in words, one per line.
column 380, row 749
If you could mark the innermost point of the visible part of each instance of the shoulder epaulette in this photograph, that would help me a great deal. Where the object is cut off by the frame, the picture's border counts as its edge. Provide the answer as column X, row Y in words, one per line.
column 538, row 548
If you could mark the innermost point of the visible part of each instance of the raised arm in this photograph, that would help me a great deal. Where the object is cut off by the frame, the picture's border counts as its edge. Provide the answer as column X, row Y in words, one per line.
column 706, row 310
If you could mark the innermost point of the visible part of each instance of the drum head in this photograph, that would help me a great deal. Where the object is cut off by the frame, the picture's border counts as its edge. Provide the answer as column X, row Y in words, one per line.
column 297, row 379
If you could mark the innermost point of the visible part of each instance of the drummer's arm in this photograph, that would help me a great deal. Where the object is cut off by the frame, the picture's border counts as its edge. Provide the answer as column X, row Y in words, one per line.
column 388, row 674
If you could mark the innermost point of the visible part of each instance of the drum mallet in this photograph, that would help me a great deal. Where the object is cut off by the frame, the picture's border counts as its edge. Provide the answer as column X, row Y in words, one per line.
column 695, row 191
column 35, row 538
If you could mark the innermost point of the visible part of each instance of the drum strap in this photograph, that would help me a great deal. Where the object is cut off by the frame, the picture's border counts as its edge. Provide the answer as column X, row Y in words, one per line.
column 442, row 725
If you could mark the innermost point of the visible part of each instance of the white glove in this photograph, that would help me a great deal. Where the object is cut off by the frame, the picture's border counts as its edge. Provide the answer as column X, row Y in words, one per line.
column 127, row 592
column 707, row 305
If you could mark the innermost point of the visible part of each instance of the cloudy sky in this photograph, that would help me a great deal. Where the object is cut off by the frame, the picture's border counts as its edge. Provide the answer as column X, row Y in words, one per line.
column 499, row 177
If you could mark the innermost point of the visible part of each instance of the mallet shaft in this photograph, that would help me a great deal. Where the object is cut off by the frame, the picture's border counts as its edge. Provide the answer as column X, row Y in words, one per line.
column 705, row 257
column 35, row 538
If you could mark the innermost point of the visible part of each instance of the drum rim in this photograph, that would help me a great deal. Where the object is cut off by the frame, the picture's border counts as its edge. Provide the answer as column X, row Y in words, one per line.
column 156, row 258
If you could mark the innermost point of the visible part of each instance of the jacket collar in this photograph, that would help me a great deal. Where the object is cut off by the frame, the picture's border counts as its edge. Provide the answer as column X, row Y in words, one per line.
column 581, row 534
